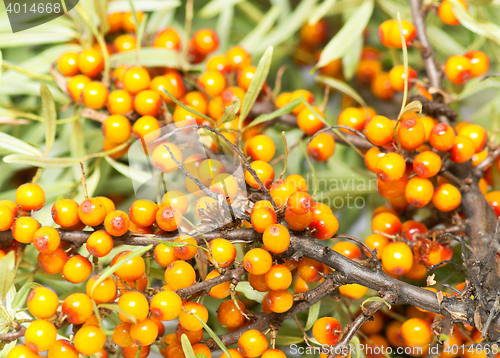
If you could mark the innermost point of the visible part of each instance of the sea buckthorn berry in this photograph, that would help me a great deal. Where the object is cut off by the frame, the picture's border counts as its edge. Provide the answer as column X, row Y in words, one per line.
column 327, row 330
column 314, row 34
column 353, row 291
column 162, row 159
column 237, row 57
column 168, row 38
column 217, row 63
column 67, row 64
column 108, row 203
column 257, row 261
column 381, row 86
column 144, row 333
column 446, row 198
column 124, row 43
column 446, row 14
column 135, row 351
column 392, row 189
column 297, row 222
column 143, row 212
column 367, row 70
column 129, row 22
column 90, row 62
column 24, row 229
column 278, row 301
column 180, row 274
column 352, row 117
column 264, row 171
column 12, row 205
column 417, row 271
column 132, row 270
column 397, row 77
column 89, row 340
column 187, row 319
column 262, row 218
column 54, row 262
column 21, row 351
column 411, row 228
column 121, row 335
column 213, row 82
column 379, row 130
column 372, row 157
column 411, row 134
column 321, row 147
column 261, row 147
column 177, row 199
column 258, row 282
column 427, row 164
column 230, row 94
column 478, row 158
column 77, row 269
column 134, row 304
column 428, row 123
column 166, row 305
column 119, row 102
column 218, row 291
column 172, row 82
column 378, row 242
column 65, row 213
column 95, row 95
column 442, row 137
column 308, row 121
column 347, row 249
column 245, row 77
column 92, row 212
column 229, row 315
column 374, row 326
column 276, row 238
column 416, row 332
column 300, row 202
column 383, row 32
column 281, row 190
column 419, row 192
column 146, row 128
column 6, row 217
column 147, row 103
column 117, row 128
column 397, row 258
column 206, row 203
column 390, row 167
column 309, row 270
column 188, row 251
column 298, row 181
column 480, row 63
column 458, row 69
column 493, row 198
column 164, row 255
column 168, row 218
column 205, row 41
column 223, row 252
column 234, row 353
column 462, row 150
column 42, row 302
column 483, row 186
column 76, row 86
column 78, row 308
column 283, row 99
column 476, row 134
column 46, row 239
column 323, row 226
column 136, row 79
column 62, row 348
column 278, row 278
column 104, row 292
column 40, row 335
column 252, row 343
column 409, row 33
column 117, row 223
column 386, row 223
column 225, row 185
column 108, row 145
column 30, row 197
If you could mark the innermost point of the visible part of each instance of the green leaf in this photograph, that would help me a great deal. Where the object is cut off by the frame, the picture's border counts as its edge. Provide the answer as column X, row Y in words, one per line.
column 313, row 315
column 50, row 114
column 288, row 340
column 412, row 107
column 196, row 113
column 480, row 27
column 405, row 61
column 142, row 5
column 223, row 27
column 187, row 347
column 111, row 269
column 342, row 87
column 277, row 113
column 1, row 60
column 22, row 294
column 215, row 7
column 140, row 34
column 355, row 344
column 148, row 57
column 170, row 243
column 351, row 59
column 123, row 169
column 18, row 146
column 41, row 162
column 8, row 273
column 101, row 9
column 258, row 80
column 375, row 299
column 214, row 336
column 477, row 85
column 320, row 11
column 114, row 307
column 255, row 37
column 442, row 42
column 230, row 111
column 342, row 42
column 199, row 355
column 444, row 337
column 245, row 288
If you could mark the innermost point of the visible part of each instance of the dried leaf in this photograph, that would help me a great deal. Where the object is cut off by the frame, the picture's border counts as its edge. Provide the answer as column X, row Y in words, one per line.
column 430, row 280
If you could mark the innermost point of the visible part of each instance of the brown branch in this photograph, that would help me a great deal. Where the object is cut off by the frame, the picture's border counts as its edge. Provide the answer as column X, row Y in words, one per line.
column 14, row 335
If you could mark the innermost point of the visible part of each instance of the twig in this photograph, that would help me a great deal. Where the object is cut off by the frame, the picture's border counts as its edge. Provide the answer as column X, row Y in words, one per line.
column 285, row 145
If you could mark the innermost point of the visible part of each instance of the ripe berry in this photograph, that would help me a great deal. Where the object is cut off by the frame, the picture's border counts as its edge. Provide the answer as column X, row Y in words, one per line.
column 117, row 223
column 381, row 86
column 276, row 238
column 187, row 319
column 257, row 261
column 166, row 305
column 278, row 301
column 42, row 302
column 144, row 333
column 245, row 76
column 90, row 62
column 237, row 57
column 92, row 212
column 223, row 252
column 177, row 199
column 54, row 262
column 321, row 147
column 348, row 249
column 117, row 128
column 327, row 330
column 252, row 343
column 124, row 43
column 367, row 70
column 89, row 340
column 397, row 258
column 188, row 251
column 134, row 304
column 297, row 222
column 121, row 335
column 462, row 150
column 218, row 291
column 77, row 269
column 442, row 137
column 172, row 82
column 129, row 22
column 314, row 34
column 476, row 134
column 99, row 243
column 397, row 77
column 162, row 159
column 24, row 228
column 480, row 63
column 6, row 217
column 260, row 147
column 264, row 171
column 168, row 218
column 416, row 332
column 229, row 315
column 391, row 166
column 180, row 274
column 386, row 223
column 427, row 164
column 372, row 156
column 446, row 197
column 78, row 308
column 307, row 120
column 95, row 95
column 281, row 190
column 46, row 239
column 65, row 213
column 30, row 197
column 67, row 64
column 76, row 85
column 278, row 277
column 379, row 130
column 458, row 69
column 446, row 14
column 62, row 348
column 262, row 218
column 143, row 212
column 205, row 41
column 493, row 198
column 40, row 335
column 258, row 282
column 377, row 241
column 146, row 128
column 419, row 192
column 411, row 228
column 353, row 291
column 392, row 189
column 409, row 33
column 119, row 102
column 411, row 134
column 213, row 82
column 136, row 79
column 309, row 270
column 132, row 270
column 135, row 351
column 168, row 38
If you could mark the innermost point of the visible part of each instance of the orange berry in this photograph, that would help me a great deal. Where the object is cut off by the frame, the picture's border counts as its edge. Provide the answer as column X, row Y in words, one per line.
column 446, row 198
column 321, row 147
column 104, row 292
column 416, row 332
column 188, row 251
column 164, row 255
column 218, row 291
column 90, row 62
column 353, row 291
column 257, row 261
column 67, row 64
column 117, row 223
column 136, row 351
column 264, row 171
column 12, row 205
column 6, row 217
column 327, row 330
column 95, row 95
column 378, row 242
column 168, row 38
column 278, row 301
column 493, row 198
column 386, row 223
column 419, row 192
column 23, row 229
column 281, row 190
column 300, row 202
column 384, row 30
column 237, row 57
column 367, row 70
column 381, row 86
column 308, row 121
column 476, row 134
column 298, row 181
column 252, row 343
column 144, row 333
column 180, row 274
column 309, row 270
column 125, row 42
column 446, row 14
column 392, row 189
column 92, row 212
column 372, row 156
column 223, row 252
column 373, row 326
column 132, row 270
column 202, row 349
column 412, row 228
column 397, row 77
column 30, row 197
column 143, row 212
column 314, row 34
column 262, row 218
column 166, row 305
column 168, row 218
column 278, row 277
column 65, row 213
column 129, row 22
column 258, row 282
column 136, row 79
column 379, row 130
column 260, row 147
column 119, row 102
column 187, row 319
column 117, row 128
column 348, row 249
column 89, row 340
column 352, row 117
column 428, row 123
column 323, row 226
column 76, row 86
column 172, row 82
column 411, row 134
column 480, row 63
column 147, row 103
column 62, row 348
column 77, row 269
column 205, row 41
column 458, row 69
column 442, row 137
column 391, row 166
column 53, row 262
column 78, row 308
column 397, row 258
column 46, row 239
column 427, row 164
column 147, row 128
column 121, row 335
column 213, row 82
column 40, row 335
column 42, row 302
column 297, row 222
column 276, row 238
column 134, row 304
column 462, row 150
column 217, row 63
column 229, row 315
column 409, row 33
column 162, row 159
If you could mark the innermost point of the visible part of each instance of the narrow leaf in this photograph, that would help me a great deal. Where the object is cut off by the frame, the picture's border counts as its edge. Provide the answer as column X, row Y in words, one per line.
column 230, row 111
column 101, row 9
column 412, row 107
column 18, row 146
column 288, row 340
column 480, row 27
column 7, row 265
column 355, row 344
column 114, row 307
column 313, row 315
column 136, row 174
column 351, row 59
column 215, row 7
column 22, row 294
column 253, row 38
column 405, row 62
column 187, row 347
column 196, row 113
column 277, row 113
column 245, row 288
column 170, row 243
column 258, row 80
column 342, row 87
column 50, row 114
column 148, row 57
column 376, row 299
column 214, row 336
column 321, row 10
